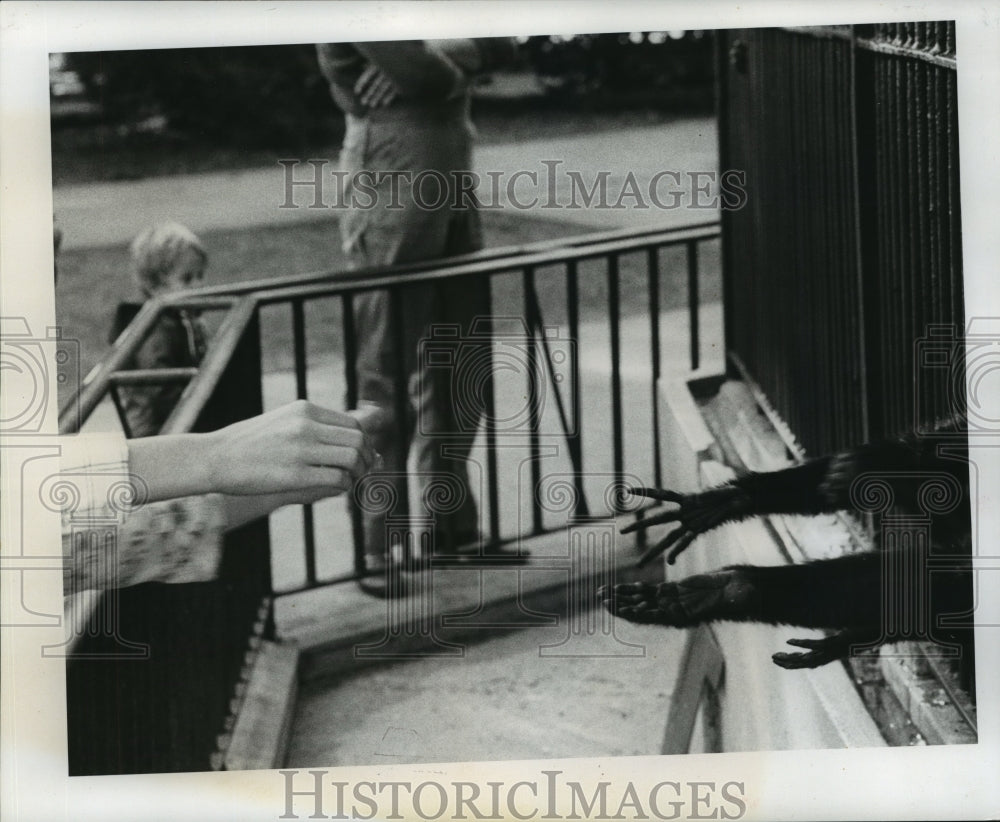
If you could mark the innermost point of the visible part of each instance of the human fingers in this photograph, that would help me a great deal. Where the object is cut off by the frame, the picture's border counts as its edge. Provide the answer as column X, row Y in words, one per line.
column 362, row 84
column 373, row 88
column 326, row 416
column 327, row 426
column 381, row 93
column 357, row 441
column 355, row 461
column 321, row 481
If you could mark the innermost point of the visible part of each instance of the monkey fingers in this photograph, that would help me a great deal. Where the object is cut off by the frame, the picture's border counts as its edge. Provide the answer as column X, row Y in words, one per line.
column 700, row 522
column 635, row 602
column 820, row 652
column 659, row 519
column 660, row 494
column 683, row 534
column 697, row 513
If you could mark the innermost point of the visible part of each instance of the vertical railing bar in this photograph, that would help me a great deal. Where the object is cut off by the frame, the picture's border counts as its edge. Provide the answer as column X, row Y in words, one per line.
column 695, row 332
column 908, row 402
column 401, row 407
column 301, row 393
column 841, row 240
column 938, row 311
column 845, row 237
column 492, row 472
column 299, row 342
column 927, row 304
column 912, row 404
column 549, row 363
column 954, row 201
column 351, row 399
column 534, row 412
column 653, row 273
column 576, row 437
column 896, row 262
column 883, row 251
column 849, row 182
column 724, row 96
column 120, row 408
column 616, row 380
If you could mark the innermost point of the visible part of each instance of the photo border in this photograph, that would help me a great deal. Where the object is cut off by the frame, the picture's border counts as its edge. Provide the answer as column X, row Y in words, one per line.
column 889, row 783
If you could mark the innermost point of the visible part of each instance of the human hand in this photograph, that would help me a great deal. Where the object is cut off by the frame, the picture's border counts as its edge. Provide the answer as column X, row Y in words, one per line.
column 301, row 448
column 463, row 52
column 373, row 418
column 374, row 89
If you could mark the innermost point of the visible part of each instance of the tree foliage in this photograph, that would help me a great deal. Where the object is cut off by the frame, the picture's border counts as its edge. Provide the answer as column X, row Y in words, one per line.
column 260, row 95
column 275, row 96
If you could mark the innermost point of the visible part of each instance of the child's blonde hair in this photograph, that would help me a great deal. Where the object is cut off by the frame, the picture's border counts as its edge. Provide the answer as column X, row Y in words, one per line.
column 155, row 252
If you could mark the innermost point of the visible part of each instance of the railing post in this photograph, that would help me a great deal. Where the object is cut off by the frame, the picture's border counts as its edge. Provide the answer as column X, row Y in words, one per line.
column 575, row 440
column 614, row 316
column 301, row 393
column 351, row 381
column 534, row 400
column 693, row 300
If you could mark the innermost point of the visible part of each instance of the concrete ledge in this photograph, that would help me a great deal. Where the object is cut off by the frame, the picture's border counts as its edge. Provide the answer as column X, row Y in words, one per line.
column 911, row 700
column 685, row 417
column 261, row 733
column 922, row 696
column 791, row 709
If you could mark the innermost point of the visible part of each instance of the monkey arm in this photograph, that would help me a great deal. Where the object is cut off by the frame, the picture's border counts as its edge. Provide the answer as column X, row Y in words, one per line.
column 854, row 594
column 834, row 593
column 821, row 485
column 792, row 490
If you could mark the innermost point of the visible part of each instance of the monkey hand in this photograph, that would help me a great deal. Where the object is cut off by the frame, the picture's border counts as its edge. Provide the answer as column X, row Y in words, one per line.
column 819, row 651
column 725, row 594
column 695, row 513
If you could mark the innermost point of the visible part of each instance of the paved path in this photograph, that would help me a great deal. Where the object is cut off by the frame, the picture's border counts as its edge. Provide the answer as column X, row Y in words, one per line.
column 103, row 214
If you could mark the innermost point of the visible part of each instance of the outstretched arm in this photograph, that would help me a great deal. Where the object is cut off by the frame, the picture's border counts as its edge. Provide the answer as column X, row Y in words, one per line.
column 858, row 595
column 818, row 486
column 298, row 450
column 792, row 490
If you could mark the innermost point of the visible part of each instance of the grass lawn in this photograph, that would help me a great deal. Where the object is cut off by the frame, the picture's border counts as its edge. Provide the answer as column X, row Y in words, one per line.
column 93, row 281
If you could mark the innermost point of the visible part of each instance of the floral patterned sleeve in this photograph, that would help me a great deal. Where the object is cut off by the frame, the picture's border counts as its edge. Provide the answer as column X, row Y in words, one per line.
column 112, row 539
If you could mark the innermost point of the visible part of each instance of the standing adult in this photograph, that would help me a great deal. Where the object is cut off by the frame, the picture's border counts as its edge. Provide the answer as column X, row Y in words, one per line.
column 409, row 131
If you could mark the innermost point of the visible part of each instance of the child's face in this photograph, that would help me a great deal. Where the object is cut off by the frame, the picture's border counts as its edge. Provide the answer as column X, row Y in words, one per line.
column 186, row 273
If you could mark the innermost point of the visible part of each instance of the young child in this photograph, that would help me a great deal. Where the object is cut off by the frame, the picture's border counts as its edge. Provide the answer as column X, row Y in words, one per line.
column 166, row 257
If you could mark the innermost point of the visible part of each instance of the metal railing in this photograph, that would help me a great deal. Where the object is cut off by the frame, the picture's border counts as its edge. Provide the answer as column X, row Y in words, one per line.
column 849, row 248
column 846, row 259
column 227, row 385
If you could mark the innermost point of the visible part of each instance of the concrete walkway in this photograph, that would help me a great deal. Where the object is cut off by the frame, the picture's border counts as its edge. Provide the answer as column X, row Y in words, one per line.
column 105, row 214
